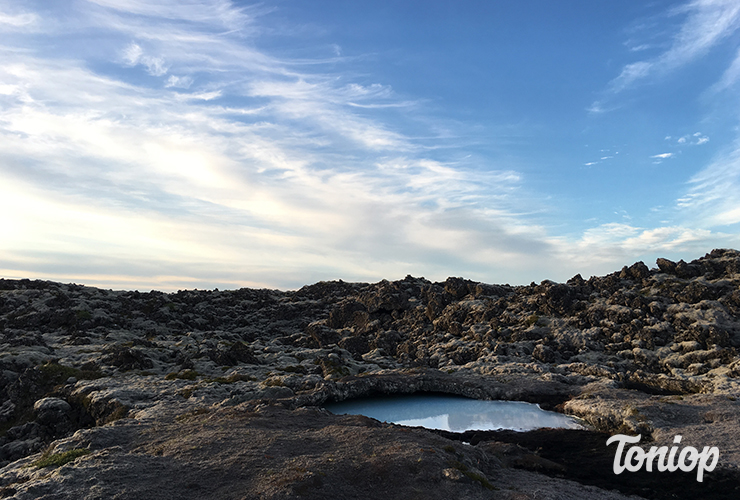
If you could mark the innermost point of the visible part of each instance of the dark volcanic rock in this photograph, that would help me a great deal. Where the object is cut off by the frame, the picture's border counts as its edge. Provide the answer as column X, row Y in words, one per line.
column 126, row 358
column 233, row 355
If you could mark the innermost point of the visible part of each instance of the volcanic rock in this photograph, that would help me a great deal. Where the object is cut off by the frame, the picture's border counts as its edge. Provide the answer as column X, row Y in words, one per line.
column 125, row 393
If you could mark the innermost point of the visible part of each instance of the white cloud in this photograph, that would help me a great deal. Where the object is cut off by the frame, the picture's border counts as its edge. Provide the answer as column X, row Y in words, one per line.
column 17, row 20
column 630, row 74
column 662, row 156
column 597, row 108
column 206, row 96
column 155, row 66
column 640, row 48
column 183, row 82
column 207, row 13
column 695, row 139
column 133, row 55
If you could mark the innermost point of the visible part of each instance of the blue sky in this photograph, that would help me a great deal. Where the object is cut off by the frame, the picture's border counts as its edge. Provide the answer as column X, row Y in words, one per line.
column 155, row 144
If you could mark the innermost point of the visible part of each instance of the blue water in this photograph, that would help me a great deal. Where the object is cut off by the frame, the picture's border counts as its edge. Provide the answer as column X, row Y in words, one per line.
column 454, row 413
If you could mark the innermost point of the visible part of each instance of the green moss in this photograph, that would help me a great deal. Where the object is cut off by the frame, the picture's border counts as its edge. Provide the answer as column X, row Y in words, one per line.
column 187, row 392
column 83, row 315
column 481, row 479
column 533, row 319
column 120, row 412
column 53, row 373
column 59, row 459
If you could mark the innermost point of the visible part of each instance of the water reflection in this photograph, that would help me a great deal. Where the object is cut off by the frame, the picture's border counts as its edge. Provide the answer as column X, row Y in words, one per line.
column 453, row 413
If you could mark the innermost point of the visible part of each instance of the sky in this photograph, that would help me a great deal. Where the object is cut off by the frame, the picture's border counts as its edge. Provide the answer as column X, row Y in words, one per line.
column 173, row 144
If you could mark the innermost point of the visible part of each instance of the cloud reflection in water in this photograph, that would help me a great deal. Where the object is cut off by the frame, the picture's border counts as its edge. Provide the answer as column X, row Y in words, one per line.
column 452, row 413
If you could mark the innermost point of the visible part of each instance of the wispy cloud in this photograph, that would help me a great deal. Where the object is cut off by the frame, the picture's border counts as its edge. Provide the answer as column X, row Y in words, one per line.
column 712, row 199
column 13, row 17
column 730, row 76
column 660, row 157
column 708, row 22
column 17, row 20
column 604, row 158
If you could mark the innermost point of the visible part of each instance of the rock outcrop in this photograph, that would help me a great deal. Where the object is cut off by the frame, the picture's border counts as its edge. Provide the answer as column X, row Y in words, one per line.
column 130, row 383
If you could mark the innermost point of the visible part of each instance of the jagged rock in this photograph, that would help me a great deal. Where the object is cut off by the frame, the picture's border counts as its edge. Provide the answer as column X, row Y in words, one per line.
column 322, row 335
column 684, row 270
column 357, row 346
column 126, row 358
column 557, row 299
column 544, row 353
column 235, row 354
column 666, row 266
column 18, row 449
column 388, row 297
column 55, row 414
column 347, row 314
column 6, row 411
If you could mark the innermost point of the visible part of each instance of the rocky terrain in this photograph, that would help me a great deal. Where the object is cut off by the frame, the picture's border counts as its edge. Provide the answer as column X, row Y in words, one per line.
column 218, row 394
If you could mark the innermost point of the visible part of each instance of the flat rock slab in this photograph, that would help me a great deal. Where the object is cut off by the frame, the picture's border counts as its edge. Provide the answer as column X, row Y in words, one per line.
column 270, row 452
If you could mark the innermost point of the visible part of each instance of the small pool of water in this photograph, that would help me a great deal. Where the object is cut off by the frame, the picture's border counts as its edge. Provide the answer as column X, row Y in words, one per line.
column 453, row 413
